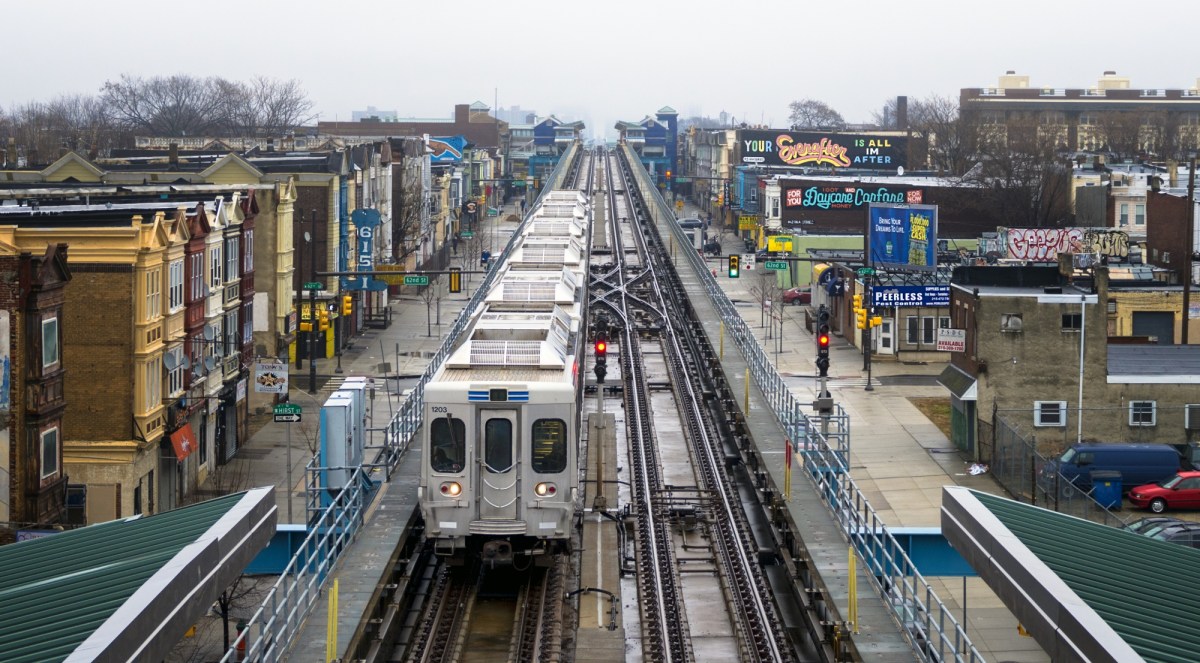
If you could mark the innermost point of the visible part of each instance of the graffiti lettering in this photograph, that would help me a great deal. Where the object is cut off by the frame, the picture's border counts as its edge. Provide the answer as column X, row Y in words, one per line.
column 1112, row 243
column 1044, row 244
column 825, row 151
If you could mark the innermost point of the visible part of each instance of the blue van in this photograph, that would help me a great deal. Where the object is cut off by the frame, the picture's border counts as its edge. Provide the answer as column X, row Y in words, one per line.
column 1137, row 463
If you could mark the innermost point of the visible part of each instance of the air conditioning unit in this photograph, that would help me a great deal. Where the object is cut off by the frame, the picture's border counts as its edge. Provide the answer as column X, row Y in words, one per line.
column 1191, row 417
column 1011, row 322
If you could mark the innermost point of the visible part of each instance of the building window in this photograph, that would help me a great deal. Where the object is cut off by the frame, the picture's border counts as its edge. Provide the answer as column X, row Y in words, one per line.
column 49, row 342
column 1124, row 218
column 1139, row 214
column 775, row 213
column 153, row 294
column 196, row 278
column 175, row 376
column 248, row 323
column 214, row 267
column 195, row 353
column 232, row 259
column 215, row 347
column 1050, row 413
column 175, row 287
column 49, row 449
column 1072, row 322
column 248, row 252
column 1142, row 413
column 232, row 330
column 153, row 389
column 920, row 330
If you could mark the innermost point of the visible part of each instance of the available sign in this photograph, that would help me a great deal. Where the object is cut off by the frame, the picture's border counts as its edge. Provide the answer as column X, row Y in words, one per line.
column 910, row 295
column 952, row 340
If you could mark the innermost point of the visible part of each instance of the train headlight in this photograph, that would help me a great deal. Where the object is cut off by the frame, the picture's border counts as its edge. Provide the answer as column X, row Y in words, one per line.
column 451, row 489
column 545, row 489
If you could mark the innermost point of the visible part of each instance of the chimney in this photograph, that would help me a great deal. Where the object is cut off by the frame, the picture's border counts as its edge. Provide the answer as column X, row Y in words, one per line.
column 173, row 155
column 12, row 153
column 901, row 112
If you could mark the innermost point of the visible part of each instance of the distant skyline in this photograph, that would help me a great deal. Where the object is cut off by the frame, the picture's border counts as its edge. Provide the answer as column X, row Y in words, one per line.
column 621, row 60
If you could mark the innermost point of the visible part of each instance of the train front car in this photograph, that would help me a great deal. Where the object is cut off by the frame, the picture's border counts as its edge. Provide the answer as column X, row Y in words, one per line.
column 502, row 414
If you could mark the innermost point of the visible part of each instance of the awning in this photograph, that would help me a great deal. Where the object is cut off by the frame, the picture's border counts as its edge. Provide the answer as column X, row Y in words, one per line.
column 184, row 441
column 960, row 384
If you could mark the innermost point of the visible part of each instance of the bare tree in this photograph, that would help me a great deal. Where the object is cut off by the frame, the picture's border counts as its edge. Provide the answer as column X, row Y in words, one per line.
column 429, row 294
column 813, row 114
column 1120, row 132
column 1023, row 179
column 179, row 105
column 407, row 206
column 951, row 140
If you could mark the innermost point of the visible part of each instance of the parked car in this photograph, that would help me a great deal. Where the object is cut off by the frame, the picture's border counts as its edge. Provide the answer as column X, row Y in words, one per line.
column 797, row 296
column 1142, row 525
column 1181, row 491
column 1138, row 464
column 1187, row 534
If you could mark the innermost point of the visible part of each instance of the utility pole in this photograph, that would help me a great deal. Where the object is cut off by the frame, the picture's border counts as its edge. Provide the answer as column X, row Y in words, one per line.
column 1190, row 248
column 299, row 275
column 312, row 309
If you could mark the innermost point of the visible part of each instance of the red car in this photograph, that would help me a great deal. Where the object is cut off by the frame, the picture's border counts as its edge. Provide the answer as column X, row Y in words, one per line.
column 1181, row 491
column 797, row 296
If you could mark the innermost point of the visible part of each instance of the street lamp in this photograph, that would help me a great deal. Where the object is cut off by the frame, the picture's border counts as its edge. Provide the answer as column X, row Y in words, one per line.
column 312, row 306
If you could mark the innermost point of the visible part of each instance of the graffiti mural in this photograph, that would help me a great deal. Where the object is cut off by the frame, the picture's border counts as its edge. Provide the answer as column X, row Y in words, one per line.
column 1044, row 244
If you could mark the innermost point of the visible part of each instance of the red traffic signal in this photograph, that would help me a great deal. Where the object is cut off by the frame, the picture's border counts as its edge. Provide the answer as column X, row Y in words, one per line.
column 601, row 348
column 823, row 341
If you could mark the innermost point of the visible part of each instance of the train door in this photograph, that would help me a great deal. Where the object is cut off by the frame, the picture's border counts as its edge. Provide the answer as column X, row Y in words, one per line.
column 498, row 476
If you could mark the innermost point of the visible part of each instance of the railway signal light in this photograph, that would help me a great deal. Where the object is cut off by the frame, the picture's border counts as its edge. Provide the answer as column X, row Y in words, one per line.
column 734, row 266
column 601, row 368
column 347, row 304
column 456, row 279
column 823, row 342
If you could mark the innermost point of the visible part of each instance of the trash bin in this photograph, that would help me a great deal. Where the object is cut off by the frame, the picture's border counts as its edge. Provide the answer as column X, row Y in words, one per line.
column 1106, row 488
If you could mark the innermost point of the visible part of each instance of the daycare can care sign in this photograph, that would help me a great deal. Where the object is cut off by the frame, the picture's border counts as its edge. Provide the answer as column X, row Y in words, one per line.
column 903, row 236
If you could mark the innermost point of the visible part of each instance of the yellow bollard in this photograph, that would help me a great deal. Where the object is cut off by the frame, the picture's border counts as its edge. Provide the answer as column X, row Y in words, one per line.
column 331, row 626
column 853, row 590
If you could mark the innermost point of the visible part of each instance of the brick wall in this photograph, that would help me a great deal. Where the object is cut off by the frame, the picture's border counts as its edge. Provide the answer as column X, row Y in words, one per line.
column 98, row 345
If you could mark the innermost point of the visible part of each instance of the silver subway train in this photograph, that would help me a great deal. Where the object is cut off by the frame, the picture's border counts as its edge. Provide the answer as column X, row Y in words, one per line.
column 500, row 439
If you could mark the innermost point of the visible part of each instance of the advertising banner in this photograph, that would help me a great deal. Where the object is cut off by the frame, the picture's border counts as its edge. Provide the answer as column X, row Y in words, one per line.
column 822, row 149
column 270, row 377
column 446, row 149
column 849, row 197
column 887, row 296
column 903, row 237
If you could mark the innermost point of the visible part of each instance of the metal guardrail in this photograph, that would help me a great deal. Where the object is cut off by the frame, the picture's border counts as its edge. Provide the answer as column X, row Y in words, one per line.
column 333, row 526
column 932, row 629
column 277, row 620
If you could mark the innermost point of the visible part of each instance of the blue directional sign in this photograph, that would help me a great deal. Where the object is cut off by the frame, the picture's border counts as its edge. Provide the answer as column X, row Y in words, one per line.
column 366, row 223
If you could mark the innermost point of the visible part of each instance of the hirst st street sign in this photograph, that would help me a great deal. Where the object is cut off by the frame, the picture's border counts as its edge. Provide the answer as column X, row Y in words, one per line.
column 287, row 413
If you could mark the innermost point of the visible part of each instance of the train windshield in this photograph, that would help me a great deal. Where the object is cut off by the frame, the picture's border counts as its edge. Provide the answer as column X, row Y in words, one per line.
column 447, row 442
column 498, row 446
column 549, row 446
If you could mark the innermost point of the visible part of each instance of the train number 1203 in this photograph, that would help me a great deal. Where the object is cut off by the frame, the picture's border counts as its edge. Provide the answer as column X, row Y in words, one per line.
column 435, row 408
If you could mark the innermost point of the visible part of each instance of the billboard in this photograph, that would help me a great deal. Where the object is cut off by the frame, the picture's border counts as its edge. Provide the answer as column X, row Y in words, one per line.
column 887, row 296
column 902, row 237
column 822, row 149
column 852, row 196
column 446, row 149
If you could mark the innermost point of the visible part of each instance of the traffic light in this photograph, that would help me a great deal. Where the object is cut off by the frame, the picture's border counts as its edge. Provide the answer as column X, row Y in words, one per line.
column 322, row 319
column 857, row 302
column 668, row 175
column 347, row 304
column 876, row 321
column 601, row 368
column 456, row 279
column 823, row 341
column 860, row 318
column 305, row 325
column 734, row 266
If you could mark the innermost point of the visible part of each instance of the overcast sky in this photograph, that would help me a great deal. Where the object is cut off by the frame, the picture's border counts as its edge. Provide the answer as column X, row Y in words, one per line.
column 599, row 61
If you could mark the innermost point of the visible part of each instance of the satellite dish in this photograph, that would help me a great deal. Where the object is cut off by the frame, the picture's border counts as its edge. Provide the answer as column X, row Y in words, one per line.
column 900, row 170
column 210, row 363
column 187, row 363
column 208, row 333
column 170, row 362
column 307, row 237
